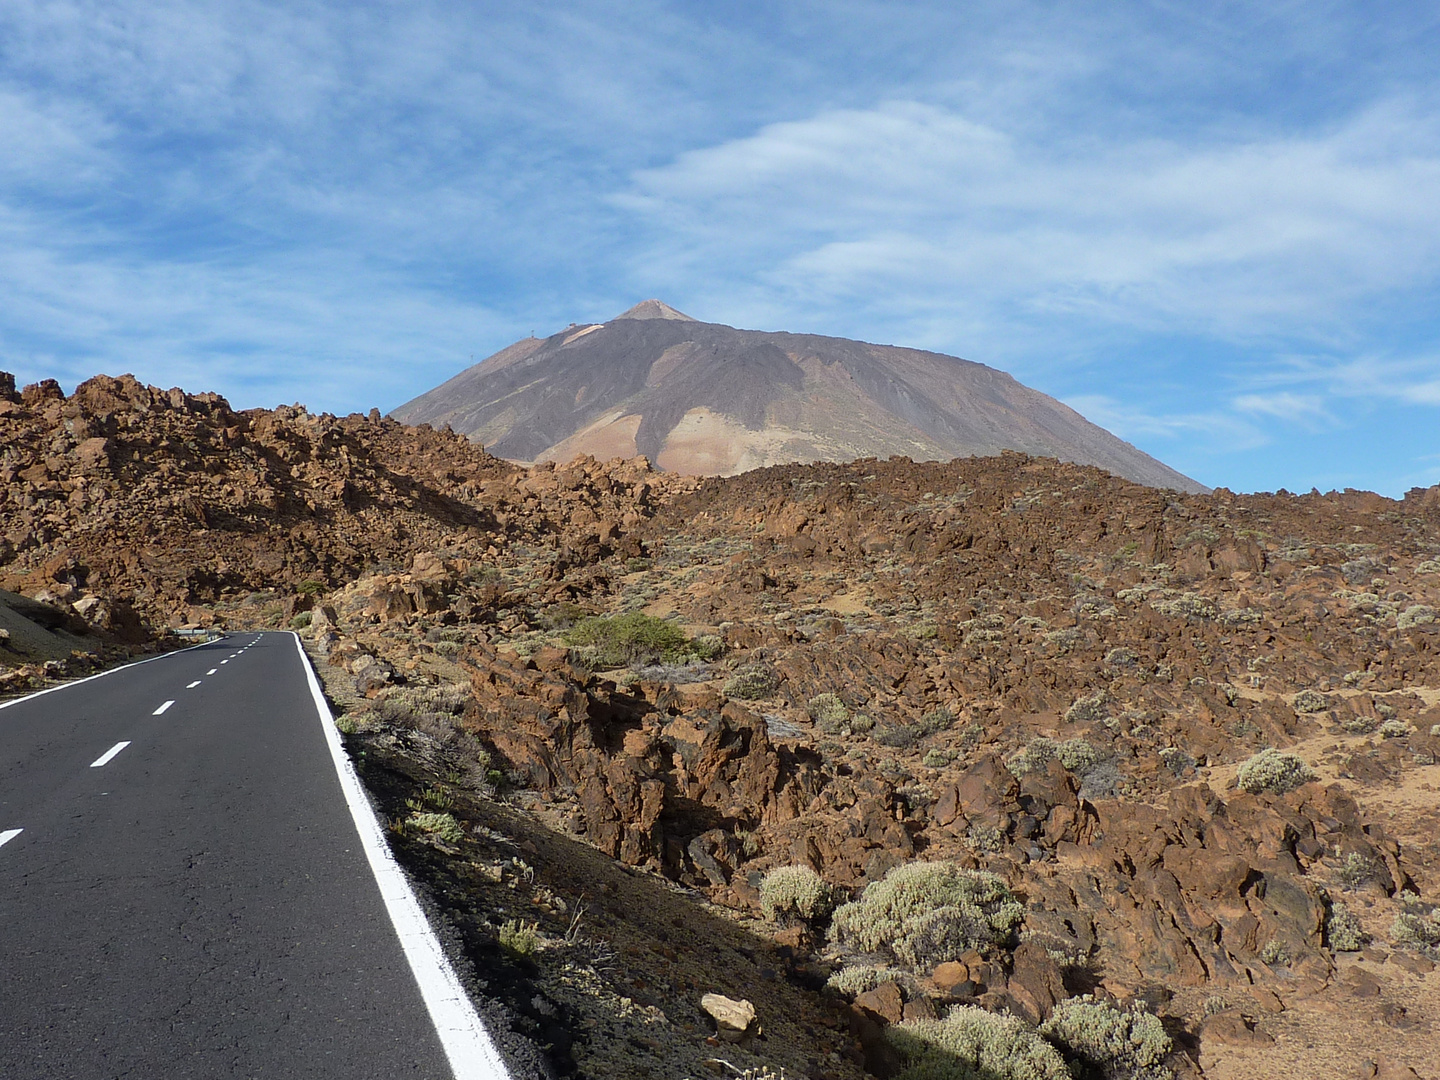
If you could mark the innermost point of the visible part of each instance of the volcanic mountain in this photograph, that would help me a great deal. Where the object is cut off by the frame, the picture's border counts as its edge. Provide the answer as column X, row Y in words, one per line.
column 706, row 399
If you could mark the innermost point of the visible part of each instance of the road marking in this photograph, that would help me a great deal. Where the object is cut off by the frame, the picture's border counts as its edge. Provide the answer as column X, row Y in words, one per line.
column 162, row 708
column 212, row 671
column 105, row 758
column 467, row 1044
column 224, row 661
column 97, row 675
column 8, row 835
column 191, row 686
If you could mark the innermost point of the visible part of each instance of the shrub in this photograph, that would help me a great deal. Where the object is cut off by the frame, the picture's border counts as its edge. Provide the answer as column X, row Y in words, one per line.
column 519, row 938
column 1429, row 566
column 828, row 711
column 1357, row 870
column 1088, row 710
column 631, row 639
column 1275, row 953
column 1120, row 1044
column 301, row 620
column 1270, row 770
column 905, row 735
column 1343, row 930
column 1187, row 605
column 1033, row 758
column 1310, row 701
column 1104, row 781
column 1415, row 615
column 1176, row 760
column 1077, row 755
column 1395, row 729
column 972, row 1044
column 752, row 682
column 438, row 824
column 927, row 913
column 795, row 891
column 1417, row 930
column 857, row 979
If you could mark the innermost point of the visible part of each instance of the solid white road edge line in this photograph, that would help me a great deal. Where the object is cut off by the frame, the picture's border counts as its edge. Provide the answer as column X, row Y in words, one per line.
column 98, row 675
column 467, row 1044
column 8, row 835
column 162, row 708
column 104, row 759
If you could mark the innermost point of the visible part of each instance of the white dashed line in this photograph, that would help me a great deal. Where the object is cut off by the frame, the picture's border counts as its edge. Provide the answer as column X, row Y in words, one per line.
column 212, row 671
column 8, row 835
column 191, row 686
column 224, row 661
column 105, row 758
column 162, row 708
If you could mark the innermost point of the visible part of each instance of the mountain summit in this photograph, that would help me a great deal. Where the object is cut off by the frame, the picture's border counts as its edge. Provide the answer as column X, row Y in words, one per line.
column 707, row 399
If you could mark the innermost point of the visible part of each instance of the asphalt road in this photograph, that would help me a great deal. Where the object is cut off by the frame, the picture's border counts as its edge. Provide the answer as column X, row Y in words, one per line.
column 188, row 895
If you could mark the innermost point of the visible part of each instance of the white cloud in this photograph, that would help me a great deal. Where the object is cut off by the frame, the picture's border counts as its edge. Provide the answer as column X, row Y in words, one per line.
column 1241, row 235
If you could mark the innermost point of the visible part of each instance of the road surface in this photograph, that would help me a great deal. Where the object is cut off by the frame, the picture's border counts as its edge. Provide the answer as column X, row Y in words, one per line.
column 184, row 891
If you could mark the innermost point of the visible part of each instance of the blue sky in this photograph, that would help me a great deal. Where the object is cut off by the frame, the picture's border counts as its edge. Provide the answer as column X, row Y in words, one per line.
column 1213, row 228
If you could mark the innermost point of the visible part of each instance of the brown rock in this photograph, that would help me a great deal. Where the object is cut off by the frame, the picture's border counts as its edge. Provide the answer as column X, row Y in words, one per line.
column 949, row 975
column 1036, row 982
column 884, row 1003
column 1231, row 1029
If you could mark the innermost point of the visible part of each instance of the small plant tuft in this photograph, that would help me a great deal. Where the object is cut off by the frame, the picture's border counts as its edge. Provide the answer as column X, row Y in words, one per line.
column 441, row 825
column 519, row 938
column 1343, row 930
column 751, row 682
column 632, row 640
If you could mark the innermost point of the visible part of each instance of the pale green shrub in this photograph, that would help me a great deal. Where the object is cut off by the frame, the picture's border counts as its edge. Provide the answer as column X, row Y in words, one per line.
column 828, row 711
column 438, row 824
column 1122, row 1044
column 1273, row 771
column 927, row 913
column 795, row 891
column 1275, row 953
column 1343, row 930
column 972, row 1044
column 1395, row 729
column 1090, row 709
column 1033, row 758
column 1415, row 615
column 1310, row 701
column 1077, row 755
column 519, row 938
column 1417, row 930
column 752, row 682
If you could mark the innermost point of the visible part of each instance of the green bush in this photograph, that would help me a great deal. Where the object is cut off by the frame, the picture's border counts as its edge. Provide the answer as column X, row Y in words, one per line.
column 1343, row 930
column 1118, row 1044
column 1273, row 771
column 1310, row 701
column 972, row 1044
column 828, row 711
column 519, row 938
column 752, row 682
column 438, row 824
column 1415, row 615
column 632, row 640
column 301, row 620
column 927, row 913
column 797, row 892
column 1395, row 728
column 1417, row 930
column 1090, row 709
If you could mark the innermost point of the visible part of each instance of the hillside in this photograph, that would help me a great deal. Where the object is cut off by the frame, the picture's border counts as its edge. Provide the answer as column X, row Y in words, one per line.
column 600, row 705
column 704, row 399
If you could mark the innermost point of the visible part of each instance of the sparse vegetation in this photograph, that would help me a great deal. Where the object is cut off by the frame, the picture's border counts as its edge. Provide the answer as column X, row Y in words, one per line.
column 857, row 979
column 1275, row 953
column 1343, row 931
column 751, row 682
column 519, row 938
column 972, row 1044
column 928, row 912
column 828, row 711
column 1310, row 701
column 1418, row 929
column 634, row 639
column 1273, row 771
column 1415, row 615
column 795, row 892
column 1113, row 1043
column 441, row 825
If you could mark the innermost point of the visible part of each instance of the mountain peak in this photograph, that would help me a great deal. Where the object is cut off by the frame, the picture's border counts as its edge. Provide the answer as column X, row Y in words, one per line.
column 654, row 309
